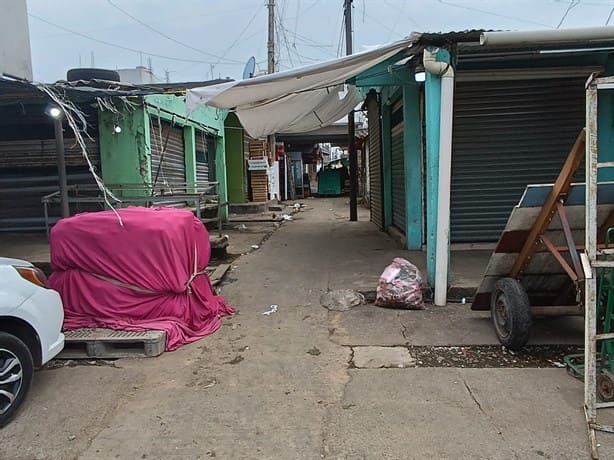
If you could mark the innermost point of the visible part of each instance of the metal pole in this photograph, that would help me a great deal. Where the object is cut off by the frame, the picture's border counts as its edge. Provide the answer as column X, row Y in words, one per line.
column 347, row 7
column 59, row 150
column 271, row 65
column 590, row 284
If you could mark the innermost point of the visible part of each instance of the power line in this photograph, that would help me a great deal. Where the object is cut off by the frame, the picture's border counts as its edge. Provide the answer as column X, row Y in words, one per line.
column 168, row 37
column 126, row 48
column 306, row 41
column 236, row 40
column 470, row 8
column 609, row 16
column 571, row 6
column 402, row 11
column 341, row 34
column 282, row 35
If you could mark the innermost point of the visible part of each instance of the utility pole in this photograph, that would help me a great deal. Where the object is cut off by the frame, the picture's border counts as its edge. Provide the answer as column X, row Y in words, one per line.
column 271, row 69
column 347, row 12
column 271, row 41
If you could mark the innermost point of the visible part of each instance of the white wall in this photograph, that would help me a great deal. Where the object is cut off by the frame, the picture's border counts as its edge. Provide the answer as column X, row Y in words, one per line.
column 137, row 76
column 15, row 55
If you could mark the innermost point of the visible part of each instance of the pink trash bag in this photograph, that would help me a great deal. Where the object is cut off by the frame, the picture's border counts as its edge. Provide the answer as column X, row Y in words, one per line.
column 400, row 286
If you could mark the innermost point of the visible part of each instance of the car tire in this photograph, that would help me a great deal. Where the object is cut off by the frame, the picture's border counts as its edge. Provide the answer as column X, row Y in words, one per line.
column 16, row 372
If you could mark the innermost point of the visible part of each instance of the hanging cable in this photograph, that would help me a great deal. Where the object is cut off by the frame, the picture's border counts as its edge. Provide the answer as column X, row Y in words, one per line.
column 126, row 48
column 74, row 118
column 470, row 8
column 162, row 34
column 571, row 6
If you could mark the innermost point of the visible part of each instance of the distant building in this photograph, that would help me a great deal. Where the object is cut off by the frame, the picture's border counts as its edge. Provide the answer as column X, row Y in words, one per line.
column 140, row 75
column 15, row 55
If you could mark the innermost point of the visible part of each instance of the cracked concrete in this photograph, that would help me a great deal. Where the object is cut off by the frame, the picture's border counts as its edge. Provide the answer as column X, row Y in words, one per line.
column 375, row 357
column 281, row 402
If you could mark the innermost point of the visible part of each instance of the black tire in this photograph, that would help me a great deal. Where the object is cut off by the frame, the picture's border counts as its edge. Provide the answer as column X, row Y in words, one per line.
column 91, row 74
column 15, row 361
column 511, row 313
column 605, row 387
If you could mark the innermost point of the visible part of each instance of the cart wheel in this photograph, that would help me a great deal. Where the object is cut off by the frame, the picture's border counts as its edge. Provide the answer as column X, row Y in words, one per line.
column 511, row 313
column 605, row 387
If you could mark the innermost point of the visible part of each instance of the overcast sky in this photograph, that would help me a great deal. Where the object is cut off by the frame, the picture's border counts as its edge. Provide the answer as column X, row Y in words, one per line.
column 194, row 40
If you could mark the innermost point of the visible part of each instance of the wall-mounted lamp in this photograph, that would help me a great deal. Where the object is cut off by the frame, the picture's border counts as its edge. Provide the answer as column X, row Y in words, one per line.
column 420, row 76
column 54, row 112
column 117, row 129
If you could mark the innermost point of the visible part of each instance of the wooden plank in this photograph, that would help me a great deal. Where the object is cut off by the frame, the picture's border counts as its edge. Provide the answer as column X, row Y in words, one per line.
column 217, row 276
column 561, row 186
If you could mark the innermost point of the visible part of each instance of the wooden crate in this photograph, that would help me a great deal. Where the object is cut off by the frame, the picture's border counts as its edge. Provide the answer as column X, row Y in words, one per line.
column 260, row 186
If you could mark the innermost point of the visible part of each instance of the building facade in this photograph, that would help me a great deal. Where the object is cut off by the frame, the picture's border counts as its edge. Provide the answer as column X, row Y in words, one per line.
column 451, row 153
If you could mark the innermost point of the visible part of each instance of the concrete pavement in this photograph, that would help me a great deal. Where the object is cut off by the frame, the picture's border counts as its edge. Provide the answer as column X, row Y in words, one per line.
column 284, row 386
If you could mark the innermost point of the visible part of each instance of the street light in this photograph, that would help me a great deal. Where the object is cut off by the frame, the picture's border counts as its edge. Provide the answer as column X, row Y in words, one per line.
column 56, row 114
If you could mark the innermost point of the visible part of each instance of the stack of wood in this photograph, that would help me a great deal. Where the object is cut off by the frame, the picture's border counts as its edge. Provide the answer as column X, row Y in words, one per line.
column 259, row 179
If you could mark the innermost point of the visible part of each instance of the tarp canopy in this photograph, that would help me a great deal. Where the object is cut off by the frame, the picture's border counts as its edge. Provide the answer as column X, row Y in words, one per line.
column 294, row 101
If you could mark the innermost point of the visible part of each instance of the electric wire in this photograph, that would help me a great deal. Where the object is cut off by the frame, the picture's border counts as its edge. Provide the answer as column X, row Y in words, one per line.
column 236, row 40
column 513, row 18
column 126, row 48
column 162, row 34
column 571, row 6
column 401, row 10
column 341, row 34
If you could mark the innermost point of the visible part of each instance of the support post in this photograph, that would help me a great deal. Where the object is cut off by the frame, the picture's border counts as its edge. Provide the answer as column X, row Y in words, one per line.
column 386, row 162
column 442, row 253
column 590, row 285
column 413, row 166
column 271, row 63
column 61, row 160
column 347, row 7
column 271, row 40
column 189, row 142
column 432, row 109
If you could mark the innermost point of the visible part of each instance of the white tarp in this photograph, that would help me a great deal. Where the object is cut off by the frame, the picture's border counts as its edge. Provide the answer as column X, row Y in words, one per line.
column 298, row 100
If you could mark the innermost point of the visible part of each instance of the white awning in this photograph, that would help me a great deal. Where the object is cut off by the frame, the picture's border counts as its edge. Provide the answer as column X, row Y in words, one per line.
column 298, row 100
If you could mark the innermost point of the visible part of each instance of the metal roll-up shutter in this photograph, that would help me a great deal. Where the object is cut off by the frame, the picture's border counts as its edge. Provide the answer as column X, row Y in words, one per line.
column 375, row 162
column 167, row 154
column 202, row 172
column 398, row 168
column 507, row 134
column 202, row 163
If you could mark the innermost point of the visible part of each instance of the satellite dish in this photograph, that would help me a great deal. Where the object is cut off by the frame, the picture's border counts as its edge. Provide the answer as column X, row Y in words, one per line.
column 250, row 68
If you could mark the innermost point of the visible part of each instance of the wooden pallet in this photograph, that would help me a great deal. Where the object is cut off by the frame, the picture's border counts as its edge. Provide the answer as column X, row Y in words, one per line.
column 111, row 344
column 260, row 186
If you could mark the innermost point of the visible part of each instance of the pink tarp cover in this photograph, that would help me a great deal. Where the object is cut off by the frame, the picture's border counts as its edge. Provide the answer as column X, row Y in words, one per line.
column 139, row 276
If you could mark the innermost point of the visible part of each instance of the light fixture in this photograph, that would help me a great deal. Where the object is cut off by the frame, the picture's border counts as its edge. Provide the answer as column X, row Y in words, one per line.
column 117, row 129
column 54, row 112
column 420, row 76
